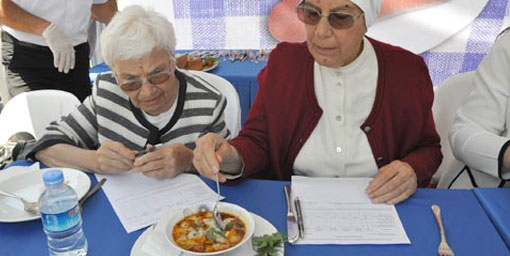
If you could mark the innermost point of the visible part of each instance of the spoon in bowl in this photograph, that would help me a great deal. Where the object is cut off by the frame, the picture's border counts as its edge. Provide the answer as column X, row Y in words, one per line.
column 30, row 207
column 216, row 213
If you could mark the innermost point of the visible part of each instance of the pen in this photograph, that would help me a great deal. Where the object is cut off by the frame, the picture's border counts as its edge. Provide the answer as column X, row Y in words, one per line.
column 147, row 150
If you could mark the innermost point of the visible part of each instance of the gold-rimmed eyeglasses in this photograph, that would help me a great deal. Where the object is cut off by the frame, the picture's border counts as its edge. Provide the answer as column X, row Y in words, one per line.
column 337, row 20
column 153, row 79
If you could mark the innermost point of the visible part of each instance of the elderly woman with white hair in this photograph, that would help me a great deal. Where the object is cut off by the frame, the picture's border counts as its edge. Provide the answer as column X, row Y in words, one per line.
column 145, row 102
column 338, row 105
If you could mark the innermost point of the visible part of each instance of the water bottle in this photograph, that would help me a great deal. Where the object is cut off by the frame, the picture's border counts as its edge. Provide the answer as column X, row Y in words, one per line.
column 60, row 215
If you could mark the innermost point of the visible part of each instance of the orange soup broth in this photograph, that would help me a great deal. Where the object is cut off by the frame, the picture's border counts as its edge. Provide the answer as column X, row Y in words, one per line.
column 190, row 232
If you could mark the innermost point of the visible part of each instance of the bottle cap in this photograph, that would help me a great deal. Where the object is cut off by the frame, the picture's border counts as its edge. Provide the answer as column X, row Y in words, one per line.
column 53, row 177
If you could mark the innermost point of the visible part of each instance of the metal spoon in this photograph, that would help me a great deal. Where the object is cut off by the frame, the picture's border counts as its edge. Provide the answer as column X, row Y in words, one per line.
column 30, row 207
column 216, row 214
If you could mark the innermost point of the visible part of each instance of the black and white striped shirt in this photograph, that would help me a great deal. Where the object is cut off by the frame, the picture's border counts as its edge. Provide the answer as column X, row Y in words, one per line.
column 109, row 115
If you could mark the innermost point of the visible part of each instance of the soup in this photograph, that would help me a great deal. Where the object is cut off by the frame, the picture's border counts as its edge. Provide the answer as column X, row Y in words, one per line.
column 198, row 232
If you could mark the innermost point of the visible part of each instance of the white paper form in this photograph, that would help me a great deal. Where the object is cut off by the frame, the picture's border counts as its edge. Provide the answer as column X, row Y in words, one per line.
column 337, row 211
column 139, row 201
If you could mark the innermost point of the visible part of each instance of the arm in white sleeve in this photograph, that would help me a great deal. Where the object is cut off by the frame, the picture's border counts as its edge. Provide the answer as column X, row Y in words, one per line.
column 16, row 17
column 478, row 136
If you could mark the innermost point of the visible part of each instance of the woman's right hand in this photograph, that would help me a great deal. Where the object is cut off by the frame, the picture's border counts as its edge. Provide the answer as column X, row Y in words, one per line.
column 113, row 157
column 213, row 153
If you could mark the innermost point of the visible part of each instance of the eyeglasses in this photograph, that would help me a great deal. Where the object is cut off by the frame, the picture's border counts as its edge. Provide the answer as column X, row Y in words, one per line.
column 153, row 79
column 337, row 20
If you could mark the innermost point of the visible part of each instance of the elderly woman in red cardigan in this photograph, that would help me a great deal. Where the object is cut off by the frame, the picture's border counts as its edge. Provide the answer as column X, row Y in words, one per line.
column 338, row 105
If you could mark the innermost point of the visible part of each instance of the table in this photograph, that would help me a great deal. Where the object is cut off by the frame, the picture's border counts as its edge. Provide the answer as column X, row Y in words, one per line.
column 468, row 228
column 496, row 202
column 242, row 75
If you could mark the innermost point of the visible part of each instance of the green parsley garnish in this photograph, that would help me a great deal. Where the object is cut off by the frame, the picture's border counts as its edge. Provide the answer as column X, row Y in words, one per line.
column 213, row 233
column 229, row 226
column 268, row 245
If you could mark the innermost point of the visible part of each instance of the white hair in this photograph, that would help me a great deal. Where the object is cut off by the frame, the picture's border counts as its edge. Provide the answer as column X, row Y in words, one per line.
column 134, row 33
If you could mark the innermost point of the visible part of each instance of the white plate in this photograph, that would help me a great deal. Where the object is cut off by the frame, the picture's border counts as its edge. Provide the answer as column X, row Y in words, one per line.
column 29, row 185
column 262, row 227
column 205, row 69
column 216, row 62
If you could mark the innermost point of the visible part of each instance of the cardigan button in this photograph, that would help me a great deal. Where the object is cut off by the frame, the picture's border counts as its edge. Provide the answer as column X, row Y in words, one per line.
column 379, row 159
column 367, row 129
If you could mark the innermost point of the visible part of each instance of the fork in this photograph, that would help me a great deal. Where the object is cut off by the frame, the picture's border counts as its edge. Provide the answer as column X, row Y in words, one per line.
column 444, row 249
column 292, row 236
column 30, row 207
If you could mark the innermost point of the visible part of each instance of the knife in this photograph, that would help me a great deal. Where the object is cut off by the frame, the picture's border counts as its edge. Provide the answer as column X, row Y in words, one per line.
column 297, row 206
column 292, row 224
column 91, row 192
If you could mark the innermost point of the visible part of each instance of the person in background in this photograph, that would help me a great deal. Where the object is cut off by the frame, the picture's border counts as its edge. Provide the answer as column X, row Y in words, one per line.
column 338, row 105
column 145, row 102
column 44, row 43
column 480, row 134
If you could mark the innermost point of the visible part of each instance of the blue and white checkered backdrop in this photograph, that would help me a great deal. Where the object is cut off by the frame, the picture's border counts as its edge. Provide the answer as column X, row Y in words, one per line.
column 464, row 51
column 242, row 24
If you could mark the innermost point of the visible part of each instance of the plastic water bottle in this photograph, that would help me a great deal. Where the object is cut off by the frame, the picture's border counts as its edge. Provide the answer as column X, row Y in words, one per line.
column 61, row 218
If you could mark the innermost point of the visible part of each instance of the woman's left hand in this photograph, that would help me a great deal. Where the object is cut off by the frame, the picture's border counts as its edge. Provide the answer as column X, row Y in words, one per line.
column 165, row 162
column 394, row 183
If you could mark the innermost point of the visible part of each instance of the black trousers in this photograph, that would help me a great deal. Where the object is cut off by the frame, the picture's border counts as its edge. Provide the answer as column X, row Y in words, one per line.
column 30, row 67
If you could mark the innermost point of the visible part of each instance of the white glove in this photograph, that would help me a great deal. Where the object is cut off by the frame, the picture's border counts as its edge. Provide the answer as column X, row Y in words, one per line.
column 62, row 48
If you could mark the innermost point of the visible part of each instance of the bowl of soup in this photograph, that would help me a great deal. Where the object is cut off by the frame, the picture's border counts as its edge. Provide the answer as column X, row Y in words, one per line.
column 195, row 232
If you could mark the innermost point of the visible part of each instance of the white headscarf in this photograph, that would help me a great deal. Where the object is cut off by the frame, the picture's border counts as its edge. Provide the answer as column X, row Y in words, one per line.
column 371, row 8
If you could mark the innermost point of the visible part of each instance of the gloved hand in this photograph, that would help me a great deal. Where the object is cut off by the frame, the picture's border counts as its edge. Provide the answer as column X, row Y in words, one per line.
column 62, row 48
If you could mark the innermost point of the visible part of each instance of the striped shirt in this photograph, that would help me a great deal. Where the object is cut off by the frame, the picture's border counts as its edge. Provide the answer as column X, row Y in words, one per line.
column 109, row 115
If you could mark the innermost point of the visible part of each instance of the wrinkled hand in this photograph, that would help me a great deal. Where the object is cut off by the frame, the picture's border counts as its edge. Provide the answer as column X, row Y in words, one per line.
column 62, row 48
column 213, row 153
column 113, row 157
column 165, row 162
column 394, row 183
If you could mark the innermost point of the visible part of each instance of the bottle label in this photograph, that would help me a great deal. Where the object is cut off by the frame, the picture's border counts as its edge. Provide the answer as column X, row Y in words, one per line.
column 61, row 221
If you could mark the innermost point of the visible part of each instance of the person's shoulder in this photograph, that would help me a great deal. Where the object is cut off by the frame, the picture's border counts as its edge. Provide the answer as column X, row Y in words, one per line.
column 288, row 55
column 106, row 86
column 502, row 43
column 387, row 50
column 106, row 77
column 298, row 46
column 106, row 81
column 288, row 49
column 203, row 84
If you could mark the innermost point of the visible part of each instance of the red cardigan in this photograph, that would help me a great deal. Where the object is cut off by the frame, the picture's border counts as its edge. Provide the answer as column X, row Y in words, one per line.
column 285, row 112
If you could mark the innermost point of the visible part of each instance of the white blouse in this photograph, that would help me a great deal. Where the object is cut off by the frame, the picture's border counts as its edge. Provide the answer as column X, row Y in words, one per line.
column 481, row 127
column 71, row 17
column 337, row 146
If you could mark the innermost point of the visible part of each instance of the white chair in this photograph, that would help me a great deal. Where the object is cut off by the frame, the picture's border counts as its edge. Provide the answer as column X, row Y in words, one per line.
column 448, row 98
column 32, row 111
column 233, row 108
column 4, row 91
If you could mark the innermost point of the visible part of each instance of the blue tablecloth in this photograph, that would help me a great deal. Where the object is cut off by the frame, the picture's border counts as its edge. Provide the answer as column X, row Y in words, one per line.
column 496, row 202
column 468, row 228
column 243, row 75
